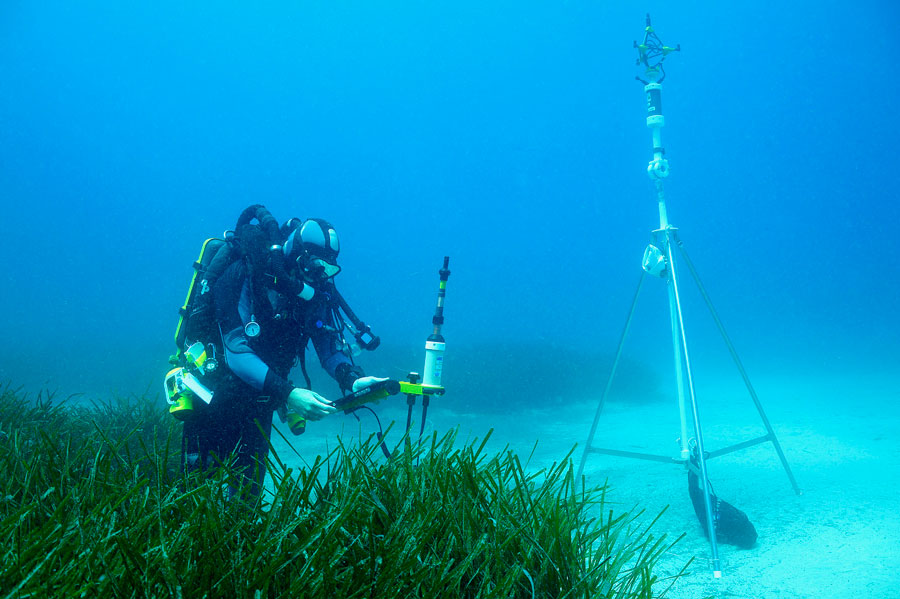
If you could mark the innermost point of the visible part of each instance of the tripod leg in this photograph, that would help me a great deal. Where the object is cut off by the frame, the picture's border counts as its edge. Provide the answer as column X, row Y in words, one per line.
column 740, row 366
column 612, row 374
column 676, row 309
column 679, row 371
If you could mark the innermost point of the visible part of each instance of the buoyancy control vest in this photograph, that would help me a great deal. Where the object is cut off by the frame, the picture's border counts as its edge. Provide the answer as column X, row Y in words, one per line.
column 248, row 242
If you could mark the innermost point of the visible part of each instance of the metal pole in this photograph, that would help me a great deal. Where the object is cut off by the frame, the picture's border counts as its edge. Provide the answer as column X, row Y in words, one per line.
column 658, row 170
column 676, row 353
column 710, row 521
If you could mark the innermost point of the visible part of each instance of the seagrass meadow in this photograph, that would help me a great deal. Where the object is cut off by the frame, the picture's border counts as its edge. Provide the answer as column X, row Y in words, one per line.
column 93, row 505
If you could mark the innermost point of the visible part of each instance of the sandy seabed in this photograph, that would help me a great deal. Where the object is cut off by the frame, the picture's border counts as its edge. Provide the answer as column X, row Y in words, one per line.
column 840, row 539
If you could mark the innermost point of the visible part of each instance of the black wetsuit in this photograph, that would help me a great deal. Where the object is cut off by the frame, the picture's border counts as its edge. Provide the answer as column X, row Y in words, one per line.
column 255, row 382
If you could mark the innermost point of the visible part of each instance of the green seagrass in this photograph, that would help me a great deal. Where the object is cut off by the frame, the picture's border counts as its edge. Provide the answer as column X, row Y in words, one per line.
column 92, row 504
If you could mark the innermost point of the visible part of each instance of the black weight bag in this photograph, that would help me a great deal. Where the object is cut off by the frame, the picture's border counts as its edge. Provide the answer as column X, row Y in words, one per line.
column 733, row 527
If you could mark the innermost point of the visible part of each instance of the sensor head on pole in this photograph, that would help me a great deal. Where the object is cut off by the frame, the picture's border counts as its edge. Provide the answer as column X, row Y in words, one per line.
column 655, row 118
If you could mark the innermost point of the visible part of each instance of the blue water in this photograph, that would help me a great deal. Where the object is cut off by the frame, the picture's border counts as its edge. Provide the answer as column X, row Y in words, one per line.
column 507, row 135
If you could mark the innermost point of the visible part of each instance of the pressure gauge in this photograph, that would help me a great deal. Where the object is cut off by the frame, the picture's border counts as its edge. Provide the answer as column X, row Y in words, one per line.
column 251, row 329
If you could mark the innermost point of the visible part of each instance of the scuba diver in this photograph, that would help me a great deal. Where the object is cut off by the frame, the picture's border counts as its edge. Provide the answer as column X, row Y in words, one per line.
column 264, row 309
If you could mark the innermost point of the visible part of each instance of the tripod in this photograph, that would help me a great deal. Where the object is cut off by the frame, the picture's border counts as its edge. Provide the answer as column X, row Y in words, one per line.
column 660, row 261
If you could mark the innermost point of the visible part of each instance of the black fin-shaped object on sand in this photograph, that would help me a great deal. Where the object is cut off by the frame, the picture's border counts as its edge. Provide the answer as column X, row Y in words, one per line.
column 733, row 527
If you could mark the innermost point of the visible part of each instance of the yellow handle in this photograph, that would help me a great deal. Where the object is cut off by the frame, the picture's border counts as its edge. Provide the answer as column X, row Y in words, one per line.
column 419, row 389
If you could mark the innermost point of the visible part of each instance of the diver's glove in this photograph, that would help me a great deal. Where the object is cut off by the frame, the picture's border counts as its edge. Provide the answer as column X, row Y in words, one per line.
column 366, row 381
column 309, row 404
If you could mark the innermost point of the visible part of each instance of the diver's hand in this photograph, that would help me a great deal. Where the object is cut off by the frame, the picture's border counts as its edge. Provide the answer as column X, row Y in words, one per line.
column 366, row 381
column 309, row 404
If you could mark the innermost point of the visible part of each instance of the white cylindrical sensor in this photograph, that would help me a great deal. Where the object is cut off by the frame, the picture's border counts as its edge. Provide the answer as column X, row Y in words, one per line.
column 434, row 362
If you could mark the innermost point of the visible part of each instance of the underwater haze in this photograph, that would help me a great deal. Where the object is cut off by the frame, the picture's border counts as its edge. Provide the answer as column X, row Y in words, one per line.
column 509, row 136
